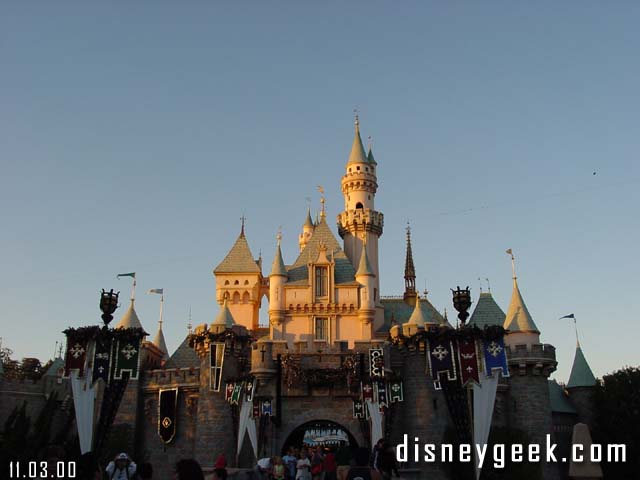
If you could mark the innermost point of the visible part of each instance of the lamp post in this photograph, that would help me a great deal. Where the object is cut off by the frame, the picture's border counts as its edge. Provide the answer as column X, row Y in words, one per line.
column 108, row 305
column 462, row 302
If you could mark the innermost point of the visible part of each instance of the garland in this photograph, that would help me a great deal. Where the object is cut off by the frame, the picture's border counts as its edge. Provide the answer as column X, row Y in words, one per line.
column 490, row 332
column 86, row 334
column 226, row 336
column 318, row 377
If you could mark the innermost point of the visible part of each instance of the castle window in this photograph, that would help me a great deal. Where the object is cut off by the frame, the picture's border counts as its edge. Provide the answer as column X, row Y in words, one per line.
column 216, row 360
column 357, row 168
column 359, row 205
column 226, row 282
column 237, row 282
column 246, row 282
column 366, row 169
column 322, row 281
column 321, row 328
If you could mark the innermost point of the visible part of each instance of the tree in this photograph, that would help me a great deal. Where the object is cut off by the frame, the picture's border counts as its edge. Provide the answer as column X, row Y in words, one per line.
column 31, row 369
column 617, row 419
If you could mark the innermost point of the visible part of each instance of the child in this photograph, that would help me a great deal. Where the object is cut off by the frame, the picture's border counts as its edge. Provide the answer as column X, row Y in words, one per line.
column 278, row 469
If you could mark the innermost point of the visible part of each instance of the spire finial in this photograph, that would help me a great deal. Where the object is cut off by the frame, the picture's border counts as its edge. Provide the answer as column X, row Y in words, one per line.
column 370, row 142
column 322, row 211
column 480, row 282
column 189, row 325
column 356, row 119
column 409, row 267
column 242, row 219
column 279, row 235
column 488, row 285
column 513, row 263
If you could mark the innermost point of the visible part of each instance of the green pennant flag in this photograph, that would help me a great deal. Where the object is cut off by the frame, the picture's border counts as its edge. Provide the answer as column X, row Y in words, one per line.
column 131, row 274
column 396, row 391
column 127, row 358
column 237, row 391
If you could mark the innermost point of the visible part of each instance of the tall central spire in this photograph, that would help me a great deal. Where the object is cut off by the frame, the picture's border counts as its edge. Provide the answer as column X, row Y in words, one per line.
column 409, row 270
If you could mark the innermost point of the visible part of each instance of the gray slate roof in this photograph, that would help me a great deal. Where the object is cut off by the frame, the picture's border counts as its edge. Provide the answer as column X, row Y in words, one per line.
column 299, row 272
column 184, row 356
column 560, row 402
column 581, row 374
column 52, row 371
column 487, row 312
column 239, row 259
column 130, row 318
column 278, row 268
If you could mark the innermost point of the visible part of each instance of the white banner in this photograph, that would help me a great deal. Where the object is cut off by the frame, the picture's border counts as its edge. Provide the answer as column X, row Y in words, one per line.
column 84, row 396
column 484, row 398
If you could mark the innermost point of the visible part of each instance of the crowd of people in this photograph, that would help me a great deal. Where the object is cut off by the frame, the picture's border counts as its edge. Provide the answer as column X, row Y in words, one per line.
column 324, row 463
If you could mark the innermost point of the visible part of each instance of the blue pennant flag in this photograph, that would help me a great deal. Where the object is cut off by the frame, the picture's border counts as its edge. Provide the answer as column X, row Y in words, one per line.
column 440, row 358
column 495, row 357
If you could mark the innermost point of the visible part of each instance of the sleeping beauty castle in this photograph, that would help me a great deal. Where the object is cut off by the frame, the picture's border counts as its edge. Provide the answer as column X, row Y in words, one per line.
column 341, row 364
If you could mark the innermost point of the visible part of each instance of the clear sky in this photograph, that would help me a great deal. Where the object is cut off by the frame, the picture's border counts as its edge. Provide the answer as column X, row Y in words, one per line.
column 133, row 136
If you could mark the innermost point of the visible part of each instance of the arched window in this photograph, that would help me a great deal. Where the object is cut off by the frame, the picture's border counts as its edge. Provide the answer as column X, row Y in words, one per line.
column 226, row 282
column 359, row 205
column 237, row 282
column 236, row 297
column 245, row 297
column 246, row 282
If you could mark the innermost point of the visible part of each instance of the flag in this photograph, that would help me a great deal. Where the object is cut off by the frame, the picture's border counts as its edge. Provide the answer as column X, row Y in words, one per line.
column 167, row 414
column 266, row 408
column 256, row 408
column 468, row 360
column 358, row 408
column 367, row 391
column 237, row 390
column 102, row 357
column 495, row 357
column 76, row 355
column 131, row 274
column 376, row 362
column 571, row 315
column 381, row 389
column 159, row 291
column 397, row 393
column 440, row 357
column 509, row 252
column 228, row 393
column 127, row 358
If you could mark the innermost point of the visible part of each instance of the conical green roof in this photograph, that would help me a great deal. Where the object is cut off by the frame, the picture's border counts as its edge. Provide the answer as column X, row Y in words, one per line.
column 357, row 150
column 518, row 318
column 559, row 401
column 364, row 267
column 308, row 222
column 224, row 316
column 370, row 158
column 487, row 312
column 160, row 342
column 581, row 374
column 278, row 268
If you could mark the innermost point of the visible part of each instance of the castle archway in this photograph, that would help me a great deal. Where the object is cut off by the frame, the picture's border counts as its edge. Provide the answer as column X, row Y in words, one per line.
column 325, row 433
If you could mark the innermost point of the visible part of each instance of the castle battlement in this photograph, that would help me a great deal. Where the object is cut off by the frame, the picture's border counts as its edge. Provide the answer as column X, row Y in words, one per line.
column 172, row 377
column 537, row 359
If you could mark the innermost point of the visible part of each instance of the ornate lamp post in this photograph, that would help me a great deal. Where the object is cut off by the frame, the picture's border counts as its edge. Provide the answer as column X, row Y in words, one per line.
column 108, row 305
column 462, row 302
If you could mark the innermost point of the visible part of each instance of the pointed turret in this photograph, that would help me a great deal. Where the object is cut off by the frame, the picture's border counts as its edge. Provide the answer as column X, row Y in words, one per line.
column 487, row 312
column 307, row 230
column 278, row 267
column 130, row 318
column 581, row 373
column 370, row 158
column 224, row 319
column 308, row 222
column 518, row 318
column 239, row 259
column 409, row 272
column 364, row 267
column 159, row 342
column 416, row 321
column 357, row 154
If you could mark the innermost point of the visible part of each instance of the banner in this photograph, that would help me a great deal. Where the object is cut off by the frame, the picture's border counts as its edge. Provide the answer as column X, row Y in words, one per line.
column 102, row 358
column 127, row 358
column 167, row 414
column 267, row 409
column 228, row 393
column 376, row 362
column 358, row 408
column 484, row 399
column 237, row 391
column 468, row 359
column 250, row 388
column 256, row 408
column 76, row 356
column 440, row 357
column 84, row 396
column 367, row 391
column 495, row 357
column 110, row 402
column 396, row 391
column 381, row 388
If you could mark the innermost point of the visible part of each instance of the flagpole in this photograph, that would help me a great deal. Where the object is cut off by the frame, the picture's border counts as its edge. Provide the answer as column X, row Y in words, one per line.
column 575, row 324
column 133, row 290
column 161, row 309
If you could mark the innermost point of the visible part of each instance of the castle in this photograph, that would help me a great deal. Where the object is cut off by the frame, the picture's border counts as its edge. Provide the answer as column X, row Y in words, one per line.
column 325, row 310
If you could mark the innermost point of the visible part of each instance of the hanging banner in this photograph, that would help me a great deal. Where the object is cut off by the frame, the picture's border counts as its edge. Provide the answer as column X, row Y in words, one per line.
column 102, row 358
column 381, row 388
column 396, row 391
column 256, row 408
column 440, row 356
column 358, row 408
column 249, row 389
column 267, row 409
column 495, row 357
column 228, row 393
column 76, row 356
column 237, row 392
column 376, row 362
column 167, row 414
column 367, row 391
column 127, row 358
column 468, row 359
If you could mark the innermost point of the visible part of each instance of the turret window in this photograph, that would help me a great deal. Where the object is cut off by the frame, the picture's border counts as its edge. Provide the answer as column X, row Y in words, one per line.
column 322, row 281
column 359, row 205
column 216, row 360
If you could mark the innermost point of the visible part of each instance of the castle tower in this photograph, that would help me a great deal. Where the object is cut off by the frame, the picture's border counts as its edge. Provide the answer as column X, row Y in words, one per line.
column 581, row 387
column 367, row 280
column 409, row 273
column 277, row 278
column 359, row 186
column 522, row 329
column 239, row 280
column 307, row 231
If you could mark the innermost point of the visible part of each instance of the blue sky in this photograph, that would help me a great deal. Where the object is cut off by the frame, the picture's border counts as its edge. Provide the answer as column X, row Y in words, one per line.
column 134, row 135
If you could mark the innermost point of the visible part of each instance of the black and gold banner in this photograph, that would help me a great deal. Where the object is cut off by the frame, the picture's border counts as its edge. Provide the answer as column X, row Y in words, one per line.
column 167, row 414
column 376, row 362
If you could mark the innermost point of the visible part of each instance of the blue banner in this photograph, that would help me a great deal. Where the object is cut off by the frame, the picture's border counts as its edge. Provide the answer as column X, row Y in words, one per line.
column 495, row 357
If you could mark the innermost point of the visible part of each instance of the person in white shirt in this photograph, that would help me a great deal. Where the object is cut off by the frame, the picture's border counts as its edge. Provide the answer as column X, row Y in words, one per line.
column 121, row 468
column 263, row 468
column 303, row 468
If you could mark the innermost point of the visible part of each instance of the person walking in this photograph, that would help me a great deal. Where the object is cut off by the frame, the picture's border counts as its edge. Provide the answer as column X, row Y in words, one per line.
column 330, row 466
column 303, row 467
column 290, row 462
column 220, row 467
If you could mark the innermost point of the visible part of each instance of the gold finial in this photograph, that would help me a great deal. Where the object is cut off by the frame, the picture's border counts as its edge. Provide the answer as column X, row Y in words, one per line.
column 488, row 285
column 370, row 139
column 357, row 119
column 279, row 235
column 242, row 219
column 322, row 212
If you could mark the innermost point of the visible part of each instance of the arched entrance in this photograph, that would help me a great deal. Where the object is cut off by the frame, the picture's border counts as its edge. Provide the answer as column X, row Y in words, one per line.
column 325, row 433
